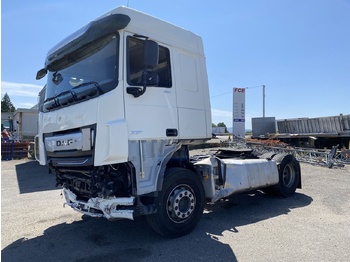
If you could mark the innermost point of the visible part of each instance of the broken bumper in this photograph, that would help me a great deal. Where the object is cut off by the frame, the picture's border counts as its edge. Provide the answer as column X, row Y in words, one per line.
column 111, row 208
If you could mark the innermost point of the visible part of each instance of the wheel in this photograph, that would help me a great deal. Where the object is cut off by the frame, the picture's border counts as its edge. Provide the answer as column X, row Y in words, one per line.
column 180, row 204
column 289, row 175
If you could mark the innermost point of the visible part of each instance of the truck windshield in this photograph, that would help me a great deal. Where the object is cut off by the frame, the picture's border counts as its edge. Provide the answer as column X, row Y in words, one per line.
column 86, row 73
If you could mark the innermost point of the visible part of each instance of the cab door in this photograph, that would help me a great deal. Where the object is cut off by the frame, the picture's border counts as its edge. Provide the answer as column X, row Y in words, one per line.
column 152, row 115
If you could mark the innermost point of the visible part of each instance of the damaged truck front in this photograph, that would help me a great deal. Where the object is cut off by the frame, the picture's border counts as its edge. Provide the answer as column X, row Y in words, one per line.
column 125, row 97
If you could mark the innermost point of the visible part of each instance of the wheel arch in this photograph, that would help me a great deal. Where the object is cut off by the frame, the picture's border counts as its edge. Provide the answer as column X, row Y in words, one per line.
column 279, row 158
column 179, row 158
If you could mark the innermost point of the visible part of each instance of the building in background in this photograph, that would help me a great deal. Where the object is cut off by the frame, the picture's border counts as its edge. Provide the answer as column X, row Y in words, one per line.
column 21, row 124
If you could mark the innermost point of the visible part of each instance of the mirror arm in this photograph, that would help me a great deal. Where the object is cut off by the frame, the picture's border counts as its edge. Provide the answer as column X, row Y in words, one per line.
column 137, row 91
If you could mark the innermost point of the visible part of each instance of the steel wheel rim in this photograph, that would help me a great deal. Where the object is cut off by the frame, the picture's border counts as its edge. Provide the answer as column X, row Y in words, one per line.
column 181, row 203
column 288, row 175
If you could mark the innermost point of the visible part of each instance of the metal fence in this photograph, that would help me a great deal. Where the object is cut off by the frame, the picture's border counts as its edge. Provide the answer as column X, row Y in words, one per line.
column 325, row 157
column 11, row 149
column 329, row 157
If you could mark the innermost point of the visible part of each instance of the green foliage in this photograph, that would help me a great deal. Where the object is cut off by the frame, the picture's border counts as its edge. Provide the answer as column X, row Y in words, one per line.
column 222, row 124
column 6, row 104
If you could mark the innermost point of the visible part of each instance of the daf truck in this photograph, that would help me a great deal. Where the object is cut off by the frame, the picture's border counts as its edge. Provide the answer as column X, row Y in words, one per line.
column 126, row 96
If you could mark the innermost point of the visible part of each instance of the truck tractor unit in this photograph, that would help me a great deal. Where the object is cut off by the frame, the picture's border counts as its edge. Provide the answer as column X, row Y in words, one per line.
column 126, row 96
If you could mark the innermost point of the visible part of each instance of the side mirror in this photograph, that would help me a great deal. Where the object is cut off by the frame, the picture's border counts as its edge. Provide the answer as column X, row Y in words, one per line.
column 41, row 73
column 148, row 79
column 150, row 54
column 150, row 61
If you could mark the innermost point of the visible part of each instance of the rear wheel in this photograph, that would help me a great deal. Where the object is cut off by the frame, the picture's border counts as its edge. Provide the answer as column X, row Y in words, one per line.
column 180, row 204
column 289, row 175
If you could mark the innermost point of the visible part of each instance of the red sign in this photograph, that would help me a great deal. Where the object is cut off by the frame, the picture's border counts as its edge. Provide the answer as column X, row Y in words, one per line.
column 239, row 90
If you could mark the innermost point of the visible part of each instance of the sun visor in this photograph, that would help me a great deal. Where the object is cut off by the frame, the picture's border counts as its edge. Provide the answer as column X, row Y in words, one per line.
column 95, row 30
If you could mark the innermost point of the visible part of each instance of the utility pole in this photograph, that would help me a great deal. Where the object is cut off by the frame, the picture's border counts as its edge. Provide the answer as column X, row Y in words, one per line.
column 263, row 100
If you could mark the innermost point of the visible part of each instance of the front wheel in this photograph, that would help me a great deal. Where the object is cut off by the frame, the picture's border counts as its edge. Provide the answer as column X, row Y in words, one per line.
column 180, row 204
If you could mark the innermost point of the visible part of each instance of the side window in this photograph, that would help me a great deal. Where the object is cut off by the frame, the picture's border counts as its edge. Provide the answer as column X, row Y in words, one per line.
column 135, row 66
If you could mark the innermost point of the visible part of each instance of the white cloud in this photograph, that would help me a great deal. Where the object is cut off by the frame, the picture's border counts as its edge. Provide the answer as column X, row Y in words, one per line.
column 21, row 95
column 20, row 89
column 25, row 104
column 221, row 113
column 221, row 116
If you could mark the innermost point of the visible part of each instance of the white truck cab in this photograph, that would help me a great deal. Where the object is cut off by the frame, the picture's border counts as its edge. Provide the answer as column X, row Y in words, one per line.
column 125, row 97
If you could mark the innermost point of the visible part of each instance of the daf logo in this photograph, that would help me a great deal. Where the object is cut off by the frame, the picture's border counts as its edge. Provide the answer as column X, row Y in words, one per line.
column 65, row 142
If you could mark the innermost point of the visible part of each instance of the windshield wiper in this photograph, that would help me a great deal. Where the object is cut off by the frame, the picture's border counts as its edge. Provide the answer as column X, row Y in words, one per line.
column 86, row 90
column 89, row 83
column 83, row 91
column 62, row 99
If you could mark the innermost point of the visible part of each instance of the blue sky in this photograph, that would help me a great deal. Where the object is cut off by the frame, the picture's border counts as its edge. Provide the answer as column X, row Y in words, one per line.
column 298, row 49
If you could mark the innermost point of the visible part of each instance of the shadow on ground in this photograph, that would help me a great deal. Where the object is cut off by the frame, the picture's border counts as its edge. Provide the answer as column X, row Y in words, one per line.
column 245, row 209
column 33, row 177
column 92, row 239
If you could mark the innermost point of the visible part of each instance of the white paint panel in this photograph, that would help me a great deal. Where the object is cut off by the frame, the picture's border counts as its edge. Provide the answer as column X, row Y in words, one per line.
column 188, row 70
column 82, row 114
column 111, row 132
column 189, row 87
column 192, row 123
column 150, row 122
column 112, row 146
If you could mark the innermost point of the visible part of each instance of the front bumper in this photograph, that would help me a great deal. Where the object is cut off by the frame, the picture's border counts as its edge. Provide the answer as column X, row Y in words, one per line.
column 111, row 208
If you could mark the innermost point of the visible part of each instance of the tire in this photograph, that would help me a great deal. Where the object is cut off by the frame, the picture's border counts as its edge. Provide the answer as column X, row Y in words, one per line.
column 289, row 175
column 180, row 204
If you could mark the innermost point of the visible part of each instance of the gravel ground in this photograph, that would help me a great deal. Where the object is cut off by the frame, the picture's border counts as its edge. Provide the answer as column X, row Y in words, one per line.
column 313, row 225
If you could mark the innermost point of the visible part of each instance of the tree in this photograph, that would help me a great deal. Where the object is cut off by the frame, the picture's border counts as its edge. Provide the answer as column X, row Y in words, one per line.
column 222, row 124
column 6, row 104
